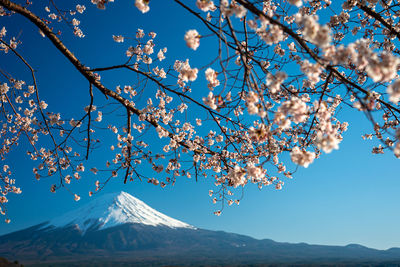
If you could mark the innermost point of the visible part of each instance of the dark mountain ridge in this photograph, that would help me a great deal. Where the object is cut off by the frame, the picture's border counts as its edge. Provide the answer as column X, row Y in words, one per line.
column 163, row 241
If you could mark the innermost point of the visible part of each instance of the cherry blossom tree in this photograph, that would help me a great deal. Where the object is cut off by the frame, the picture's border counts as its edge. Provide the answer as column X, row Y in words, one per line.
column 280, row 76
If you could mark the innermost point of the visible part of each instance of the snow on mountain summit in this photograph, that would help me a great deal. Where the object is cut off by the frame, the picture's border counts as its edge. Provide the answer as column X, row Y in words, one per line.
column 112, row 210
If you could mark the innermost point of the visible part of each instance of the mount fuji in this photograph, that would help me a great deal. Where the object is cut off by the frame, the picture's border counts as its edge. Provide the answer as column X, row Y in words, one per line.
column 112, row 210
column 121, row 230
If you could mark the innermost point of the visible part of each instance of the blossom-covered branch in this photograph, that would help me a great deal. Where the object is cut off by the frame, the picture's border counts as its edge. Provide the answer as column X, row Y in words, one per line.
column 279, row 75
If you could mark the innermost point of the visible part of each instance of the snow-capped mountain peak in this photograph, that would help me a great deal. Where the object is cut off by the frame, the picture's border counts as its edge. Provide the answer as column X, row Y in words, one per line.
column 114, row 209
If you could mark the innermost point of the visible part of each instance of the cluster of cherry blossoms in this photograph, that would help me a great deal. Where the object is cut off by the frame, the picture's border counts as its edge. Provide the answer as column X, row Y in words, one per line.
column 186, row 73
column 142, row 5
column 192, row 39
column 313, row 31
column 56, row 15
column 20, row 109
column 206, row 5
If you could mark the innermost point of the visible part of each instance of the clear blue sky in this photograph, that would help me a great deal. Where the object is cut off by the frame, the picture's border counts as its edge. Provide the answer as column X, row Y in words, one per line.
column 348, row 196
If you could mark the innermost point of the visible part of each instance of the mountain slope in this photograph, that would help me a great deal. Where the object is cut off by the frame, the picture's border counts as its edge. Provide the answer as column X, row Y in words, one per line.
column 118, row 228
